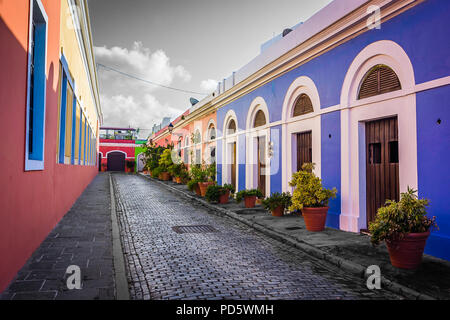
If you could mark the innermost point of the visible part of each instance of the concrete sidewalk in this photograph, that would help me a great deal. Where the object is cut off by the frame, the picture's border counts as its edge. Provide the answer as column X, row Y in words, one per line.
column 83, row 237
column 352, row 252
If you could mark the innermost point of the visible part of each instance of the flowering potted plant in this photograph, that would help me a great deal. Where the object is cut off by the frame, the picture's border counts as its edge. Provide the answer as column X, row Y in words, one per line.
column 249, row 197
column 311, row 197
column 277, row 203
column 405, row 228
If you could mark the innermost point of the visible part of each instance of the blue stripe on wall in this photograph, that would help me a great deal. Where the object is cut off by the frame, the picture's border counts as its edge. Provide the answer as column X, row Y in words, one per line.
column 331, row 162
column 433, row 152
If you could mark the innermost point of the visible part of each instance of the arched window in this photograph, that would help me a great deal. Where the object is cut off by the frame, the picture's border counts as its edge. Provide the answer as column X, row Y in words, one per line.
column 186, row 141
column 260, row 119
column 378, row 80
column 231, row 127
column 197, row 137
column 303, row 105
column 211, row 132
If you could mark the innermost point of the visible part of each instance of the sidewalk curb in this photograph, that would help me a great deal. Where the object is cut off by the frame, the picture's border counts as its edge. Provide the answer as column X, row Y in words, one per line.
column 120, row 277
column 344, row 264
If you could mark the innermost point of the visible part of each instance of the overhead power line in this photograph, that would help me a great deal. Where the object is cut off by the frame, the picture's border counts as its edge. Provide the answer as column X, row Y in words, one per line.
column 150, row 82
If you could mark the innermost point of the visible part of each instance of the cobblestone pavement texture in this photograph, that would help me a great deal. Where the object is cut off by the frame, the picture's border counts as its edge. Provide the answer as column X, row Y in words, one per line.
column 235, row 262
column 82, row 238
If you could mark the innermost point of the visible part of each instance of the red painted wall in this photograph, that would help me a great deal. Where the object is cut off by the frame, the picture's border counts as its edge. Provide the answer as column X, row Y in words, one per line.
column 33, row 202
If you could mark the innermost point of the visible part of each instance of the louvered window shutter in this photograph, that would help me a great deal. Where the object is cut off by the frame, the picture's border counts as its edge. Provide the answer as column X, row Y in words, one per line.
column 303, row 105
column 260, row 119
column 378, row 80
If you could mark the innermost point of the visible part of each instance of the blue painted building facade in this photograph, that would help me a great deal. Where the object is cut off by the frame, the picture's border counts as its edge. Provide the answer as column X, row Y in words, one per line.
column 412, row 41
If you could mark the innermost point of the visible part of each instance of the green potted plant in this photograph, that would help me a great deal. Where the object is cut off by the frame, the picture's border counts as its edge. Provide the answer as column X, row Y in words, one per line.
column 193, row 186
column 208, row 177
column 249, row 197
column 165, row 161
column 405, row 228
column 277, row 203
column 310, row 197
column 130, row 165
column 156, row 173
column 220, row 194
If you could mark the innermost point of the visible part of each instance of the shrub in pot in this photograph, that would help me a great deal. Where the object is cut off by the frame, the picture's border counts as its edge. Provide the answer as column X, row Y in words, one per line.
column 277, row 203
column 193, row 186
column 130, row 166
column 216, row 193
column 165, row 161
column 156, row 172
column 203, row 175
column 249, row 197
column 310, row 197
column 405, row 228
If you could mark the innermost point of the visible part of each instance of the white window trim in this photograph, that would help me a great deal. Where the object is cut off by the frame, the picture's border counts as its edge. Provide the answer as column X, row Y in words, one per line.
column 227, row 140
column 293, row 125
column 401, row 103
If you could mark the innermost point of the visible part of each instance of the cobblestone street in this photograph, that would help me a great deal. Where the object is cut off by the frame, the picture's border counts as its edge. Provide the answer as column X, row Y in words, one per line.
column 232, row 261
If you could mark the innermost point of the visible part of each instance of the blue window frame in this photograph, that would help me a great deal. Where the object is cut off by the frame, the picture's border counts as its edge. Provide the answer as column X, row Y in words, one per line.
column 36, row 86
column 85, row 139
column 74, row 128
column 81, row 135
column 66, row 79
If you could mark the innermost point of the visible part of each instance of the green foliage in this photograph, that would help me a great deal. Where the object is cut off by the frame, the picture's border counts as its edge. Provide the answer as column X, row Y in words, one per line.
column 152, row 155
column 192, row 184
column 198, row 174
column 214, row 192
column 165, row 160
column 156, row 172
column 130, row 164
column 211, row 171
column 276, row 200
column 229, row 187
column 396, row 219
column 246, row 193
column 309, row 191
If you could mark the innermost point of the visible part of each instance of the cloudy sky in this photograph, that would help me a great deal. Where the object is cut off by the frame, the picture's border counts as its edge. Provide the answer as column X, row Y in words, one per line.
column 188, row 44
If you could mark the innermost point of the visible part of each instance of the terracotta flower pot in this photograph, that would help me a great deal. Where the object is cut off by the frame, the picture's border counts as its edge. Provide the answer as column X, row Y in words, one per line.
column 250, row 201
column 315, row 218
column 165, row 176
column 178, row 180
column 197, row 190
column 278, row 211
column 407, row 252
column 203, row 186
column 224, row 197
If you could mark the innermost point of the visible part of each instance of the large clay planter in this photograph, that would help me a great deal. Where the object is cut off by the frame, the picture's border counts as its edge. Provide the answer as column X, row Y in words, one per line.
column 203, row 186
column 224, row 197
column 178, row 180
column 278, row 211
column 315, row 218
column 165, row 176
column 197, row 190
column 407, row 252
column 249, row 201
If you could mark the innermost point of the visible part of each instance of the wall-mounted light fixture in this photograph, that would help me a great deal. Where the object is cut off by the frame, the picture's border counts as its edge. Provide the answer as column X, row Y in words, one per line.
column 270, row 149
column 170, row 127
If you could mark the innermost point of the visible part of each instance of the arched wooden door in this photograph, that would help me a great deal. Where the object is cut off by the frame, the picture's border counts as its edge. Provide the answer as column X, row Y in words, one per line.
column 262, row 164
column 116, row 161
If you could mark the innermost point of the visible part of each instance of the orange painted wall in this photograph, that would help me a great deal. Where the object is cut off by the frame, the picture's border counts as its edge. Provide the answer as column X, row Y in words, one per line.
column 33, row 202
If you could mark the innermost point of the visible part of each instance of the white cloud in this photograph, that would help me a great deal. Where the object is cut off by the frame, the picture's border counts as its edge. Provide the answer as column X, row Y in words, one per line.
column 208, row 85
column 129, row 102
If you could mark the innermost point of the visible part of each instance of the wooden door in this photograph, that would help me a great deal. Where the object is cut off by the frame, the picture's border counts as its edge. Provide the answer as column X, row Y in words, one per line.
column 116, row 161
column 382, row 177
column 304, row 148
column 233, row 165
column 262, row 164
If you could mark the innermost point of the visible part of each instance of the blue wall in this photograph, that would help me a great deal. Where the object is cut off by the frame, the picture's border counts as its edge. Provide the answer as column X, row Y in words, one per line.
column 331, row 162
column 433, row 154
column 429, row 56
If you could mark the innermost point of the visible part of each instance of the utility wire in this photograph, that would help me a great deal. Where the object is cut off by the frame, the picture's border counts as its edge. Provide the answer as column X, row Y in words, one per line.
column 150, row 82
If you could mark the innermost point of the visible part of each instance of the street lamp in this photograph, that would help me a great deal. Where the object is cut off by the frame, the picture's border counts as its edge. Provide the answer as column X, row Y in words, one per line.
column 170, row 127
